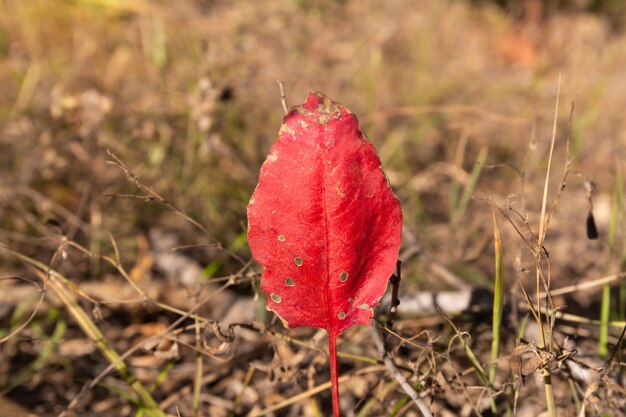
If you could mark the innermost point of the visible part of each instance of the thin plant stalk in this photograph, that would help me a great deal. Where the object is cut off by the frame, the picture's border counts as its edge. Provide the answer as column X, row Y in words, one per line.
column 468, row 190
column 393, row 369
column 473, row 179
column 616, row 219
column 497, row 300
column 48, row 348
column 246, row 382
column 92, row 331
column 605, row 309
column 382, row 393
column 547, row 377
column 197, row 382
column 458, row 163
column 480, row 372
column 311, row 392
column 620, row 201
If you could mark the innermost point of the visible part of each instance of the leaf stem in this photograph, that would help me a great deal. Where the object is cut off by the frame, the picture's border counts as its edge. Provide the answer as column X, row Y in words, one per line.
column 334, row 375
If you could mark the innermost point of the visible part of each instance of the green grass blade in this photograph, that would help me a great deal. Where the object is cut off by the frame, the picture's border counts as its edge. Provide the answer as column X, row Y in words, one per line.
column 59, row 284
column 497, row 300
column 49, row 346
column 471, row 184
column 605, row 309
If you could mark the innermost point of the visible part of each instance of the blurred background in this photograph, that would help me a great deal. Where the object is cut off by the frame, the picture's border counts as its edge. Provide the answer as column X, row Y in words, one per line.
column 135, row 130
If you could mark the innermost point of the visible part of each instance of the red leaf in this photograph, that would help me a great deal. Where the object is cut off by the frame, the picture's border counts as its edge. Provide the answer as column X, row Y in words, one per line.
column 324, row 222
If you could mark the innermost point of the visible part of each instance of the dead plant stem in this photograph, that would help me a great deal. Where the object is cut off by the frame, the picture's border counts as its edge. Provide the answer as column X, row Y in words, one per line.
column 547, row 377
column 393, row 369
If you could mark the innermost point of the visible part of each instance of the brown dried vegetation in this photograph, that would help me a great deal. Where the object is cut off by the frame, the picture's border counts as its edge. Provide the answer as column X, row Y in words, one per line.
column 131, row 133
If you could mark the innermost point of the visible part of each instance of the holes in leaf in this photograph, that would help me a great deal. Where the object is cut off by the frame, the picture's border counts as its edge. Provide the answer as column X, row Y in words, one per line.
column 341, row 315
column 363, row 306
column 297, row 261
column 281, row 238
column 343, row 277
column 290, row 282
column 276, row 298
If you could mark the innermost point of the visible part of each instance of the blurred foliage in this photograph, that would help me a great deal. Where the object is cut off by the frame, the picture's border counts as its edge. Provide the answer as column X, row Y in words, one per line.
column 186, row 96
column 457, row 96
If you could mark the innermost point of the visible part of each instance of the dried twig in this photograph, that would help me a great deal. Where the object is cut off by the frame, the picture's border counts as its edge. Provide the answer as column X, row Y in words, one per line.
column 22, row 326
column 393, row 369
column 283, row 97
column 395, row 289
column 150, row 194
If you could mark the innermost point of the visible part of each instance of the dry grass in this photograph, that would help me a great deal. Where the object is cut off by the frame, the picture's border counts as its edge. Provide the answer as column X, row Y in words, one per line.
column 153, row 243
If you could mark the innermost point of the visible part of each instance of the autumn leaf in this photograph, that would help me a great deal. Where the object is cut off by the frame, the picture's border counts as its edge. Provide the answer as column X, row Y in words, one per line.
column 324, row 223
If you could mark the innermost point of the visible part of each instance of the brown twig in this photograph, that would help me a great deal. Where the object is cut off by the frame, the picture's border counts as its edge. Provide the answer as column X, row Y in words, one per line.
column 283, row 96
column 150, row 193
column 393, row 369
column 22, row 326
column 395, row 289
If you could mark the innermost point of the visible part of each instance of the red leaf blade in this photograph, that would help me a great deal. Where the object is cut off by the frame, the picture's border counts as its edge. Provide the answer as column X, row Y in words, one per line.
column 323, row 220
